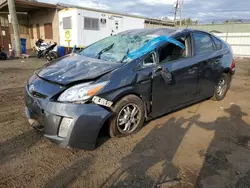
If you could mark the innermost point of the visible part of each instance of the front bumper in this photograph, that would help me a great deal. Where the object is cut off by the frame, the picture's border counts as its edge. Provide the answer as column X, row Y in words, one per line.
column 46, row 115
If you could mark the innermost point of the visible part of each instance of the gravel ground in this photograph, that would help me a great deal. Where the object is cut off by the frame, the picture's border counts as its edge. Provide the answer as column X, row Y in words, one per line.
column 204, row 145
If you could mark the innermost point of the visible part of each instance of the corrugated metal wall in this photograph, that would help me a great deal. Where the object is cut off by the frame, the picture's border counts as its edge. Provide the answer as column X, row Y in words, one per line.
column 224, row 28
column 235, row 34
column 240, row 42
column 149, row 25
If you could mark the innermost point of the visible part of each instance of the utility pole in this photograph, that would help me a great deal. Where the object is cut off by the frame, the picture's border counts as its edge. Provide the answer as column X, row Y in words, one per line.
column 181, row 8
column 14, row 21
column 175, row 11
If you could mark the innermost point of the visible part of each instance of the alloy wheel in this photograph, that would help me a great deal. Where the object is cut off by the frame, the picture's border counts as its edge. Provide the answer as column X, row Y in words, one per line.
column 222, row 87
column 128, row 118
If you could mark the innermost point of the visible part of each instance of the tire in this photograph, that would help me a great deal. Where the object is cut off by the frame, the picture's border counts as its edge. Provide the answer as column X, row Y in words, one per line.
column 3, row 56
column 51, row 56
column 221, row 87
column 39, row 54
column 123, row 110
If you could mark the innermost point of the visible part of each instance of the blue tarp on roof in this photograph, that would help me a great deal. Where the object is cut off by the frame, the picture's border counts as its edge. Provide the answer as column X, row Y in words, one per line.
column 151, row 45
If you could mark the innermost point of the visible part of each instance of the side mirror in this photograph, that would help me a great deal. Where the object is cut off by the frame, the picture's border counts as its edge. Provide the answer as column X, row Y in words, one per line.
column 158, row 68
column 165, row 74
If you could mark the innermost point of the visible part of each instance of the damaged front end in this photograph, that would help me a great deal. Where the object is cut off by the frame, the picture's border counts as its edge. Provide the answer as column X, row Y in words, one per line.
column 70, row 99
column 64, row 123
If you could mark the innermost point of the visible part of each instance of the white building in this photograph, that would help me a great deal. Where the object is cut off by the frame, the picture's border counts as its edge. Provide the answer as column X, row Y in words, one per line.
column 83, row 26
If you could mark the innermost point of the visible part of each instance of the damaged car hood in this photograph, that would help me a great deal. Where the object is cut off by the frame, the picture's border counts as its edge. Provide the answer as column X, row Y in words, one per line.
column 74, row 68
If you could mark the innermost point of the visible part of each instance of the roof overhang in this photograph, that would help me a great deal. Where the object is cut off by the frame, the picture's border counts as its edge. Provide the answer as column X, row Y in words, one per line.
column 27, row 6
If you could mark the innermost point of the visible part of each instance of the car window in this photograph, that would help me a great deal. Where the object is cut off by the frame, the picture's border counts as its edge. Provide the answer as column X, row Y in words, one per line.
column 149, row 60
column 171, row 52
column 217, row 42
column 203, row 43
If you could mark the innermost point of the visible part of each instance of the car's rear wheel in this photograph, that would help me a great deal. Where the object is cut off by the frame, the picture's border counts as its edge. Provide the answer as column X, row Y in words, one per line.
column 221, row 87
column 128, row 118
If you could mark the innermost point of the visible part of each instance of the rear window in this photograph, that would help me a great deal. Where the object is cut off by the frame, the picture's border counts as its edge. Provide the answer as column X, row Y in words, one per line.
column 217, row 43
column 203, row 43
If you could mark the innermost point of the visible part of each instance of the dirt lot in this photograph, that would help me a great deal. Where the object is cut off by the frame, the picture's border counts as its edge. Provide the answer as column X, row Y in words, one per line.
column 204, row 145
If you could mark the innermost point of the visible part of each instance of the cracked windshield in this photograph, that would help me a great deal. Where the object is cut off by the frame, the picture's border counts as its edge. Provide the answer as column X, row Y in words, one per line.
column 115, row 48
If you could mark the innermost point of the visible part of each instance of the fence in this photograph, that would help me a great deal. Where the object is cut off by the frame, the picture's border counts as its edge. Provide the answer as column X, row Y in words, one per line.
column 240, row 42
column 235, row 34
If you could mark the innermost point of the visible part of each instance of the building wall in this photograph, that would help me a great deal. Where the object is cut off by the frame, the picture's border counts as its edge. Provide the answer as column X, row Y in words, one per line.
column 26, row 36
column 83, row 37
column 23, row 28
column 29, row 21
column 42, row 17
column 73, row 31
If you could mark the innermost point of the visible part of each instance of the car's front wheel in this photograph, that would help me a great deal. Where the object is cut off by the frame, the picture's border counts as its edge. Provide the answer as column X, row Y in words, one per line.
column 221, row 87
column 128, row 118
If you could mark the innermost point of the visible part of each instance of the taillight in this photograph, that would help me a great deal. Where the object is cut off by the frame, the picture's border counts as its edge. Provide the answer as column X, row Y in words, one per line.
column 233, row 65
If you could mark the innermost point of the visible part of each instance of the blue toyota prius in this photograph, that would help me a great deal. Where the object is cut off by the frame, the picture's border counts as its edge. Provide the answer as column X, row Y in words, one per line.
column 124, row 80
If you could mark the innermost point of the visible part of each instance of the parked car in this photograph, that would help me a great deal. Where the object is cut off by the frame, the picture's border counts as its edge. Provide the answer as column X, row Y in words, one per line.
column 123, row 81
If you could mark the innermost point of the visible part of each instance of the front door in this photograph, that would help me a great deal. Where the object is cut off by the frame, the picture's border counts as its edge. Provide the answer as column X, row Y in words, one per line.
column 116, row 25
column 182, row 70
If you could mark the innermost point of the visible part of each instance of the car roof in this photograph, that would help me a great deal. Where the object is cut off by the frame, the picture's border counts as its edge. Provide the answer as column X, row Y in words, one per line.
column 152, row 31
column 160, row 31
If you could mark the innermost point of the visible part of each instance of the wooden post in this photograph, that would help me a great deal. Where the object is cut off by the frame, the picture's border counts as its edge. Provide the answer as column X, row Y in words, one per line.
column 181, row 8
column 175, row 12
column 14, row 21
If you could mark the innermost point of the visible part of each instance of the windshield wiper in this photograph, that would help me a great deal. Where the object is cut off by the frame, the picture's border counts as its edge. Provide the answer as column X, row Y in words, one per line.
column 124, row 57
column 104, row 50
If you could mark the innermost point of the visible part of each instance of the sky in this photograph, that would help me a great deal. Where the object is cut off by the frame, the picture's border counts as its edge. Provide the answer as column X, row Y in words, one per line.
column 202, row 10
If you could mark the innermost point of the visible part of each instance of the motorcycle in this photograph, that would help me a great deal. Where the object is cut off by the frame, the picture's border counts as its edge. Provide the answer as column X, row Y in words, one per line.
column 46, row 50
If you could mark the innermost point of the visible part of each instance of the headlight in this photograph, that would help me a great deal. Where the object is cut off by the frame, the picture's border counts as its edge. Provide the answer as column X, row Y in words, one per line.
column 81, row 92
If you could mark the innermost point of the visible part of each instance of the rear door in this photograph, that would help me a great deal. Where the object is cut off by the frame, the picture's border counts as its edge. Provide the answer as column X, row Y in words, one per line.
column 209, row 55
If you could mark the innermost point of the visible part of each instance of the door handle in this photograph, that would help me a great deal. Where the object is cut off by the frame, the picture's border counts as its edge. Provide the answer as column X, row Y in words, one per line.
column 158, row 69
column 217, row 61
column 192, row 70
